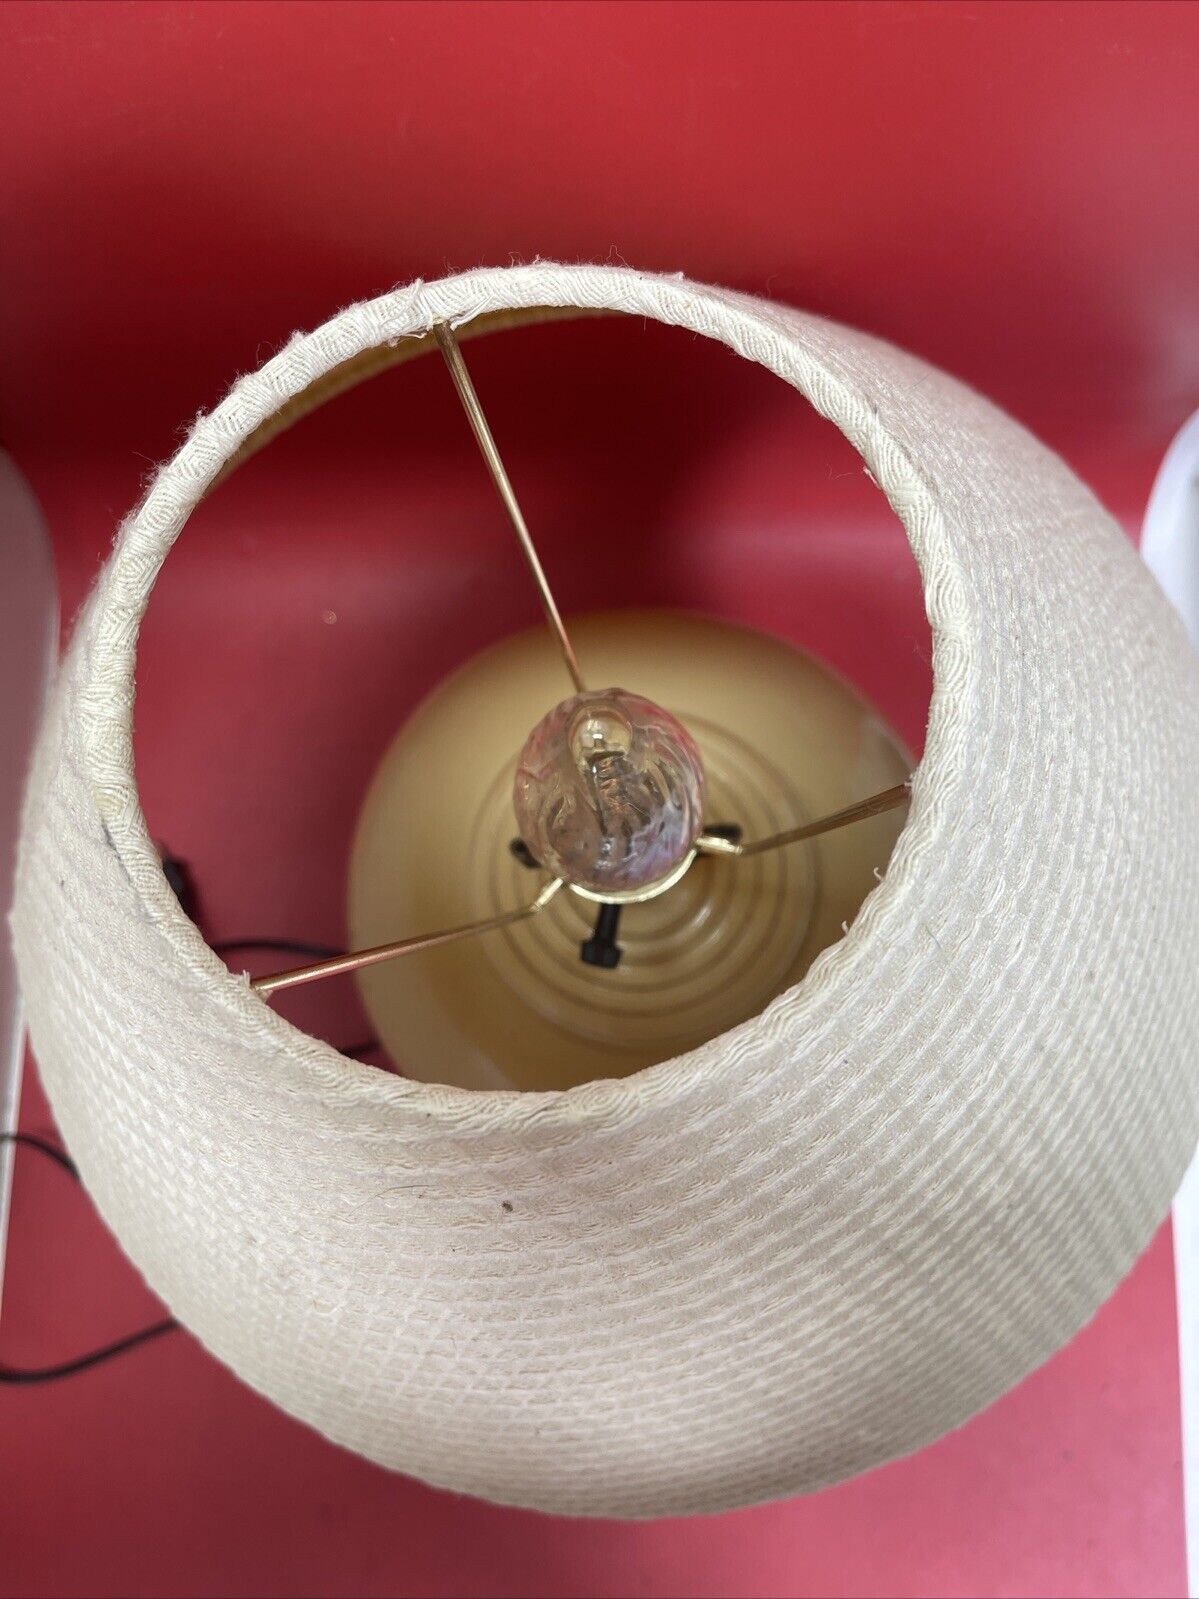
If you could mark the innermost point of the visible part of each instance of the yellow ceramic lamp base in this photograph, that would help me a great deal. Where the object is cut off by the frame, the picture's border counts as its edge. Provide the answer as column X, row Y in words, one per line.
column 783, row 740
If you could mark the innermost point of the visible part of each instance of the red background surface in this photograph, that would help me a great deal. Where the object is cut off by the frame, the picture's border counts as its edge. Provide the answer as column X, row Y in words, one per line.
column 1007, row 190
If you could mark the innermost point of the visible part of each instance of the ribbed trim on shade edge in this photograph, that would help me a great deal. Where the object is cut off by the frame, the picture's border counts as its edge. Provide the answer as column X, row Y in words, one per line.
column 813, row 1244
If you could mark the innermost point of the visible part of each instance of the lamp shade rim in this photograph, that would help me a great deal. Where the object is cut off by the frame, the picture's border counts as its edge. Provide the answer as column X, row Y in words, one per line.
column 109, row 635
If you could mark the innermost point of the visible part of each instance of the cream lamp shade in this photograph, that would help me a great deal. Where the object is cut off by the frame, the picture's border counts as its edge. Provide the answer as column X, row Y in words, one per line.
column 810, row 1244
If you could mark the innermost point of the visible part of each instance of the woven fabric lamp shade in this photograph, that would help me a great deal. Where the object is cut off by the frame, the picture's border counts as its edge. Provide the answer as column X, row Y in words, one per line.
column 816, row 1242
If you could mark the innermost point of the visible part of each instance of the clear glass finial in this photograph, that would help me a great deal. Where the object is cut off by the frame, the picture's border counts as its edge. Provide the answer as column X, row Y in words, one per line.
column 609, row 792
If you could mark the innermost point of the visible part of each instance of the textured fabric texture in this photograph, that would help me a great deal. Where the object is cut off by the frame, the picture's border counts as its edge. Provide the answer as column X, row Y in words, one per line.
column 818, row 1241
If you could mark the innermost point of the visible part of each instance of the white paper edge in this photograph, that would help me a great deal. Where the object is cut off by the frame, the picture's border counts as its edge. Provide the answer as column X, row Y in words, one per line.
column 1170, row 547
column 28, row 647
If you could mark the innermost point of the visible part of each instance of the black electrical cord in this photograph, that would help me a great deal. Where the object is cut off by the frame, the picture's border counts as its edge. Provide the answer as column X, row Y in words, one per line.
column 51, row 1151
column 95, row 1357
column 178, row 875
column 289, row 946
column 20, row 1375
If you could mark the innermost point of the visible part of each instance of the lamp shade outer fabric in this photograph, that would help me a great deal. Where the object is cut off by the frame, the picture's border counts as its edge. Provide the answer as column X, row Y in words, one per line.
column 813, row 1244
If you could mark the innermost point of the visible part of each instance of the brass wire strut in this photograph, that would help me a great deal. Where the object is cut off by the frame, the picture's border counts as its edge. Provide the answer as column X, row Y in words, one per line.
column 405, row 946
column 887, row 800
column 452, row 352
